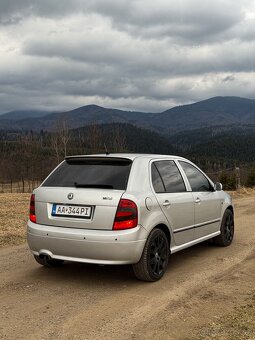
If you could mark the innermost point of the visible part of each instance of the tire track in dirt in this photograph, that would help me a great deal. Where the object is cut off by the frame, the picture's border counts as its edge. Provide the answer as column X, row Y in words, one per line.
column 79, row 301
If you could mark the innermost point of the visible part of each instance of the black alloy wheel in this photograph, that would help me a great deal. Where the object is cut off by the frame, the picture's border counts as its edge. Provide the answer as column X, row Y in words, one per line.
column 227, row 230
column 154, row 260
column 158, row 254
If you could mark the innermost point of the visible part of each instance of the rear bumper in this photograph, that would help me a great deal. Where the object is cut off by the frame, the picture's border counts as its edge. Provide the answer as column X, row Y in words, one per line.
column 89, row 246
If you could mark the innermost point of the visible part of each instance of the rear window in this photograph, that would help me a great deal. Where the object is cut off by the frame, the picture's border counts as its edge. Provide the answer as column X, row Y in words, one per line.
column 108, row 173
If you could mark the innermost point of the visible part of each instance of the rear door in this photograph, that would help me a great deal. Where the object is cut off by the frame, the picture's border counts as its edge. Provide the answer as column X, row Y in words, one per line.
column 208, row 204
column 83, row 193
column 175, row 201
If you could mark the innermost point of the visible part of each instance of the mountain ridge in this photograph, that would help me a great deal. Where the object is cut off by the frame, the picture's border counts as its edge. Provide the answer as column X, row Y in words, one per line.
column 210, row 112
column 23, row 114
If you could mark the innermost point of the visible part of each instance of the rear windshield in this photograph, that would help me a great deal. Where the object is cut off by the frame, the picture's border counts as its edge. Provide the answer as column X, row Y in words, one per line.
column 110, row 173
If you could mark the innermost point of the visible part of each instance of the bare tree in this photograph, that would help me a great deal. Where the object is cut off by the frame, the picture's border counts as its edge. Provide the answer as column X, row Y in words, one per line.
column 55, row 145
column 117, row 142
column 81, row 142
column 95, row 138
column 64, row 135
column 60, row 139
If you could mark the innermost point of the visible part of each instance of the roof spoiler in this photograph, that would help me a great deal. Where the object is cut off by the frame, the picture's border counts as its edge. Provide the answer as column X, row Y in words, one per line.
column 104, row 159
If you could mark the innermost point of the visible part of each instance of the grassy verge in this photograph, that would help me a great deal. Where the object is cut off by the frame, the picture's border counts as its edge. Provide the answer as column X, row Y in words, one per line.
column 242, row 192
column 14, row 214
column 13, row 217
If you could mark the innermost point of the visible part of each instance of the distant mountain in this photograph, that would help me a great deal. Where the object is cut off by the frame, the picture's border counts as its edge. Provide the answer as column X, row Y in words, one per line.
column 227, row 111
column 211, row 112
column 20, row 115
column 79, row 117
column 86, row 115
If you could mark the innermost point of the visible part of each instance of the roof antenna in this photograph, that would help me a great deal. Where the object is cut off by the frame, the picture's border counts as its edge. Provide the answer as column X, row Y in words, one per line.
column 106, row 150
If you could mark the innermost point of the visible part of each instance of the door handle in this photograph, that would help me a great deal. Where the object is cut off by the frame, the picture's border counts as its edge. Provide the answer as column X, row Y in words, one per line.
column 198, row 200
column 166, row 203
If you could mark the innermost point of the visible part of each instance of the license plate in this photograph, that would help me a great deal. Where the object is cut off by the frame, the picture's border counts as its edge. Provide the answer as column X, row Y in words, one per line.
column 77, row 211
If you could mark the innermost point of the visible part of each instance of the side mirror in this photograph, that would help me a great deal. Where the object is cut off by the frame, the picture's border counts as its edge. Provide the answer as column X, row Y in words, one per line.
column 217, row 186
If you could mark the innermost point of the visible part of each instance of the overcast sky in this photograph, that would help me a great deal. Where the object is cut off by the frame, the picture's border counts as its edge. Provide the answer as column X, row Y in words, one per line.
column 142, row 55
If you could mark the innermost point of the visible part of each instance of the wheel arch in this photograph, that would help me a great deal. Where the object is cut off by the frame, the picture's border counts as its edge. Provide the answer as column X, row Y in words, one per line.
column 166, row 230
column 231, row 208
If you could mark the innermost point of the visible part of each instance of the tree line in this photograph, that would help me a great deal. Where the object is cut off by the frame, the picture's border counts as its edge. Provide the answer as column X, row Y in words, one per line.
column 28, row 157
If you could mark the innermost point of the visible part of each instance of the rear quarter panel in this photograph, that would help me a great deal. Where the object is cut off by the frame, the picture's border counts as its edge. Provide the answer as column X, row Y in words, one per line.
column 139, row 190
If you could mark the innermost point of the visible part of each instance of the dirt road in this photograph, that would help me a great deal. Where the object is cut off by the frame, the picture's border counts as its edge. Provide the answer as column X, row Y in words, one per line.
column 207, row 292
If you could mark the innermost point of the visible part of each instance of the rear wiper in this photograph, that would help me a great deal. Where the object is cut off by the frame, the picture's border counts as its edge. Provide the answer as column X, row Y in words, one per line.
column 101, row 186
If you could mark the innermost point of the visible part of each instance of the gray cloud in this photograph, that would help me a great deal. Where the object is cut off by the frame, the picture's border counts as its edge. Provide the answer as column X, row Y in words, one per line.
column 139, row 58
column 184, row 19
column 47, row 8
column 228, row 78
column 197, row 20
column 140, row 54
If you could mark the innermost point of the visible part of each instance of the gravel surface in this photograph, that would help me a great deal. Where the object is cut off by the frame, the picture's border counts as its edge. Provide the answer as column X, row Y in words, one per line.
column 207, row 293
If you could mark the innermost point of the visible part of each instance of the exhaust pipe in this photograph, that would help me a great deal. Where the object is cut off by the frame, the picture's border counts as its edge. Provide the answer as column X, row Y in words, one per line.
column 45, row 256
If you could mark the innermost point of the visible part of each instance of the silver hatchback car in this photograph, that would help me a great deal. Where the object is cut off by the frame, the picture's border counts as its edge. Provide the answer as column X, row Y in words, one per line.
column 126, row 209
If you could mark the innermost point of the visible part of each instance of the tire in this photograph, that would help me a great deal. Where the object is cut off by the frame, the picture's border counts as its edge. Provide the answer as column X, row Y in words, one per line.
column 46, row 262
column 154, row 260
column 227, row 230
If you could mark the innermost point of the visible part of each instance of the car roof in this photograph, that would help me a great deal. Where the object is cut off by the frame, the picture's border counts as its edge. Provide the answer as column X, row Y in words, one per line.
column 130, row 156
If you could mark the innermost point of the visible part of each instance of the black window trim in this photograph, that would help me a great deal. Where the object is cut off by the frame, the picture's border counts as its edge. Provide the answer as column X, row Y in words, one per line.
column 165, row 192
column 194, row 166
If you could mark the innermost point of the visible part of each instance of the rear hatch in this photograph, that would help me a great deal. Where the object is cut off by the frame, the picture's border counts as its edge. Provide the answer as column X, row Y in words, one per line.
column 83, row 192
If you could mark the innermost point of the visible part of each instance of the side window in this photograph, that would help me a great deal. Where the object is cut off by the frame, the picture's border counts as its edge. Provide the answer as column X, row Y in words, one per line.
column 170, row 176
column 197, row 180
column 156, row 180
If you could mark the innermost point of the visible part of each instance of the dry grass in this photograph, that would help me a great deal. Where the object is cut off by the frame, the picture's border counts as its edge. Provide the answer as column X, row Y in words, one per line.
column 17, row 187
column 13, row 217
column 14, row 214
column 238, row 325
column 242, row 192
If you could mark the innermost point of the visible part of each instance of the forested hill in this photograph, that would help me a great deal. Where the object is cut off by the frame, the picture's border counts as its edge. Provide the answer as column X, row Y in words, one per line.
column 228, row 111
column 123, row 138
column 82, row 116
column 32, row 155
column 230, row 144
column 217, row 144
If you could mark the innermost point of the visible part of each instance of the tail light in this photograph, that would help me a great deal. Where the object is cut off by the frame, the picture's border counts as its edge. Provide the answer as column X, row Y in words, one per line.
column 126, row 215
column 32, row 215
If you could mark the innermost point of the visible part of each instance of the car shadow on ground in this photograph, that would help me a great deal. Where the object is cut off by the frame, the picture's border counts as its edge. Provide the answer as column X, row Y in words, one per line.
column 91, row 274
